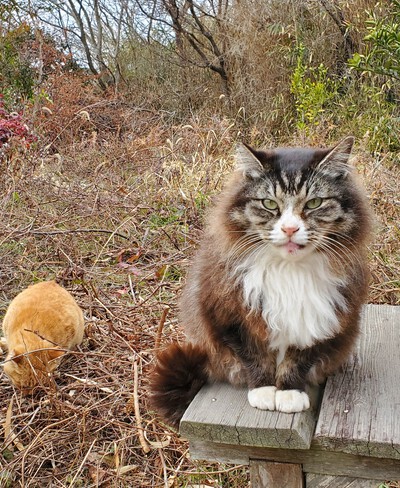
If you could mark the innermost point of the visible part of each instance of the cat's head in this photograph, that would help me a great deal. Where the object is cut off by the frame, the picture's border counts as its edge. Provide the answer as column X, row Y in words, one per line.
column 27, row 371
column 298, row 201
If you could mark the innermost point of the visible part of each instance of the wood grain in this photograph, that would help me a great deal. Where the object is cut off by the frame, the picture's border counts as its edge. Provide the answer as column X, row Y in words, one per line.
column 314, row 460
column 275, row 475
column 360, row 411
column 221, row 413
column 358, row 431
column 322, row 481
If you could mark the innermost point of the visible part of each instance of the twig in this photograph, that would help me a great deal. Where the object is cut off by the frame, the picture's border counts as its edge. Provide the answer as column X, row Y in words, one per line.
column 142, row 440
column 109, row 239
column 164, row 466
column 76, row 231
column 35, row 441
column 82, row 463
column 88, row 382
column 176, row 470
column 23, row 429
column 131, row 288
column 161, row 327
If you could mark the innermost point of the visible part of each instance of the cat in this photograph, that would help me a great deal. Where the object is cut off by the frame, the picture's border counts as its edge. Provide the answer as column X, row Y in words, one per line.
column 40, row 323
column 274, row 296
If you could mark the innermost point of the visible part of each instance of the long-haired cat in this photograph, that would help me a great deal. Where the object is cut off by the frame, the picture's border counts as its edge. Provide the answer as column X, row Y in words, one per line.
column 274, row 295
column 40, row 322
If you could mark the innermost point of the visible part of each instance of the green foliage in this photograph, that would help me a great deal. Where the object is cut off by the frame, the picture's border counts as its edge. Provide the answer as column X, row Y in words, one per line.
column 367, row 113
column 17, row 76
column 166, row 217
column 382, row 43
column 6, row 478
column 312, row 90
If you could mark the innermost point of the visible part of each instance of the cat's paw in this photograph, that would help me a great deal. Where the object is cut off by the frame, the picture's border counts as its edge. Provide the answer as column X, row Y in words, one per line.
column 291, row 401
column 262, row 398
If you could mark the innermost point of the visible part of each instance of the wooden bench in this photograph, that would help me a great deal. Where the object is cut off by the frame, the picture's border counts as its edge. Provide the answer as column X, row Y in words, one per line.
column 350, row 438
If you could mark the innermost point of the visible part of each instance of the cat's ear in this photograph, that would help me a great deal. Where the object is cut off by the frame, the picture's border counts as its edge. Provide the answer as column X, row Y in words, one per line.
column 248, row 162
column 16, row 356
column 55, row 353
column 336, row 162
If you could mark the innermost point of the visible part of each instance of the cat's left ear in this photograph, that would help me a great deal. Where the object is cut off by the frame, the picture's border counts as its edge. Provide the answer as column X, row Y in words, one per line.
column 55, row 354
column 336, row 162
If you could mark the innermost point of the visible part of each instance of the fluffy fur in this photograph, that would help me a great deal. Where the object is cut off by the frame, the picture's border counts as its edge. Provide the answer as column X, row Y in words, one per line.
column 39, row 324
column 274, row 295
column 176, row 387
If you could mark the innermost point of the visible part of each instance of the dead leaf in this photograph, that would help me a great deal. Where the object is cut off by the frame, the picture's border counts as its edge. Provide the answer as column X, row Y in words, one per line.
column 126, row 469
column 129, row 256
column 158, row 444
column 160, row 272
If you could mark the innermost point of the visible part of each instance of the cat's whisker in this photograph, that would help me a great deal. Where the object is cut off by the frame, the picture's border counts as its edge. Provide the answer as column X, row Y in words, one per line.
column 244, row 244
column 322, row 243
column 247, row 255
column 347, row 254
column 253, row 252
column 333, row 254
column 342, row 252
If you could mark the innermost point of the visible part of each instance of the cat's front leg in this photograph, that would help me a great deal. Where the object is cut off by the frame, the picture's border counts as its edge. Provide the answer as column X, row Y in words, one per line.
column 291, row 396
column 257, row 361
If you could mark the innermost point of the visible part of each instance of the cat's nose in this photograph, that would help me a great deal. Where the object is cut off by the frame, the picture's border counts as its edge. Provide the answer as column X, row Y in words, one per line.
column 289, row 230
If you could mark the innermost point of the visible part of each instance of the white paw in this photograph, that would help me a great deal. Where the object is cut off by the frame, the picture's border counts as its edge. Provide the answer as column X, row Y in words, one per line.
column 262, row 398
column 291, row 401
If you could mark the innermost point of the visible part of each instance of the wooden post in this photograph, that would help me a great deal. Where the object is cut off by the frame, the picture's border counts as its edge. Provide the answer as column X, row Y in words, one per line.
column 265, row 474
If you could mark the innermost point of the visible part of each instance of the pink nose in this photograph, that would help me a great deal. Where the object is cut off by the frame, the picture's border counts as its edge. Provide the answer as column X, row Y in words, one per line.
column 289, row 231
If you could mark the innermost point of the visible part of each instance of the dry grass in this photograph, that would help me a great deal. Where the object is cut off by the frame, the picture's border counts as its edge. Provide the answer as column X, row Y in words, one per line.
column 115, row 221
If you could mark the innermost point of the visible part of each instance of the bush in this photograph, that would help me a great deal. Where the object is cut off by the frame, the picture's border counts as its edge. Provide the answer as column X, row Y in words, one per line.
column 312, row 90
column 17, row 76
column 382, row 43
column 13, row 130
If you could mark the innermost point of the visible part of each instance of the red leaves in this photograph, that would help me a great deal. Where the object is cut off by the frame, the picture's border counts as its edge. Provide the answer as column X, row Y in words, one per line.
column 12, row 126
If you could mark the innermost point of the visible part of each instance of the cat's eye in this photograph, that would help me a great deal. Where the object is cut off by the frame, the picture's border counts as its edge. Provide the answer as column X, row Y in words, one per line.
column 270, row 204
column 314, row 203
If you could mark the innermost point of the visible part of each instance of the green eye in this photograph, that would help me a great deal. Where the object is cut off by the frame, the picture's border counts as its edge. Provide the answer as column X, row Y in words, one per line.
column 270, row 204
column 314, row 203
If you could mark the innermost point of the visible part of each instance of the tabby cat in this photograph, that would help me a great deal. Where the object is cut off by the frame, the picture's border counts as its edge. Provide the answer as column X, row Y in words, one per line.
column 274, row 295
column 43, row 320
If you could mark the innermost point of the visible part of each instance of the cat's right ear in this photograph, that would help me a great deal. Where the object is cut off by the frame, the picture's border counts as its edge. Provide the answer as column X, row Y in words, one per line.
column 247, row 162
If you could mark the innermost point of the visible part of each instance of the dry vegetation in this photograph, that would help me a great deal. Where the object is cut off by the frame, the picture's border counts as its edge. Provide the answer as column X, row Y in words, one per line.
column 115, row 220
column 110, row 202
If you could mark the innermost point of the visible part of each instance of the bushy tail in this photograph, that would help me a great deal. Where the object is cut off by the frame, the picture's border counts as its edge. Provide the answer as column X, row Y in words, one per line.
column 179, row 374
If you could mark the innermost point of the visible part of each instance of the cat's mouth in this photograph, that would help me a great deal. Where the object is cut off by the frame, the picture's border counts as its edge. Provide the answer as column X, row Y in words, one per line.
column 292, row 247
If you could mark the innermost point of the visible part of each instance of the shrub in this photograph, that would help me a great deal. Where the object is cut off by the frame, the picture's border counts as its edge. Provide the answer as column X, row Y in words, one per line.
column 13, row 129
column 17, row 76
column 312, row 90
column 381, row 55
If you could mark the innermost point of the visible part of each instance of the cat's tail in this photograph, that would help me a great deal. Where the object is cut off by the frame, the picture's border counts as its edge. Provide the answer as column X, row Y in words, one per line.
column 180, row 372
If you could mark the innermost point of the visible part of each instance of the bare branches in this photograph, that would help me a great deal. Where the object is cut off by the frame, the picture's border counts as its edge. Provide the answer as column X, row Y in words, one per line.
column 336, row 14
column 198, row 30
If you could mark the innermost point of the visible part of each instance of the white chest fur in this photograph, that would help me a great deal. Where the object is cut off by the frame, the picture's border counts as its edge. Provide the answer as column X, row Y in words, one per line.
column 298, row 299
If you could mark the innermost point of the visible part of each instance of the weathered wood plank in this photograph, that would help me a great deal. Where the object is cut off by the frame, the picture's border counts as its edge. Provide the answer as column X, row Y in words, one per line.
column 322, row 481
column 221, row 413
column 314, row 460
column 360, row 411
column 275, row 475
